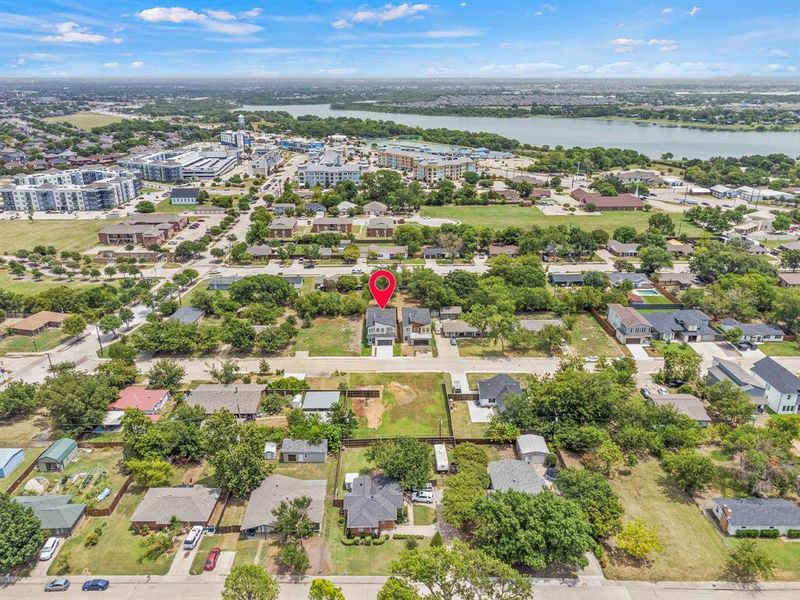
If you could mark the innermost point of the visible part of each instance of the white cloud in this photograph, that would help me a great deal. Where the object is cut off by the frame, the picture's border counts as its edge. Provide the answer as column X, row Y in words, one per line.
column 42, row 56
column 70, row 32
column 666, row 11
column 252, row 13
column 137, row 64
column 584, row 69
column 457, row 32
column 625, row 45
column 694, row 10
column 218, row 21
column 521, row 68
column 777, row 53
column 117, row 40
column 389, row 12
column 779, row 68
column 231, row 28
column 172, row 14
column 621, row 67
column 338, row 71
column 341, row 24
column 111, row 65
column 221, row 15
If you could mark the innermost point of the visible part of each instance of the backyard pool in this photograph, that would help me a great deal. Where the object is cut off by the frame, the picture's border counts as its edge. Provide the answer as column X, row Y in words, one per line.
column 646, row 292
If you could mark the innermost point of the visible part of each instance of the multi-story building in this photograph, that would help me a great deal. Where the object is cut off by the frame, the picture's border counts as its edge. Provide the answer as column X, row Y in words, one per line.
column 175, row 165
column 302, row 145
column 338, row 224
column 71, row 190
column 144, row 229
column 237, row 139
column 329, row 169
column 425, row 166
column 265, row 159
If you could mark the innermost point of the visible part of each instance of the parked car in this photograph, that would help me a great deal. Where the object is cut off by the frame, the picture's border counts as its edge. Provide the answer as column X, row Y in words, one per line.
column 211, row 559
column 591, row 359
column 453, row 342
column 49, row 548
column 428, row 487
column 423, row 496
column 357, row 271
column 95, row 585
column 663, row 390
column 57, row 585
column 308, row 265
column 645, row 392
column 193, row 537
column 742, row 346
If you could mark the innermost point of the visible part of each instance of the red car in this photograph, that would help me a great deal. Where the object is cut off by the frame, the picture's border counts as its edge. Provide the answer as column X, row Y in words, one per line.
column 211, row 559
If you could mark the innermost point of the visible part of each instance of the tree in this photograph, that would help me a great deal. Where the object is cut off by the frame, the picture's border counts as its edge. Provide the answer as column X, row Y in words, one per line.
column 292, row 522
column 220, row 430
column 294, row 557
column 690, row 471
column 733, row 335
column 607, row 459
column 77, row 401
column 126, row 314
column 165, row 374
column 451, row 242
column 351, row 254
column 680, row 366
column 249, row 582
column 240, row 469
column 460, row 573
column 532, row 530
column 21, row 534
column 638, row 540
column 145, row 206
column 73, row 325
column 596, row 498
column 731, row 404
column 405, row 459
column 226, row 372
column 109, row 323
column 150, row 473
column 625, row 234
column 747, row 562
column 662, row 223
column 17, row 398
column 323, row 589
column 652, row 259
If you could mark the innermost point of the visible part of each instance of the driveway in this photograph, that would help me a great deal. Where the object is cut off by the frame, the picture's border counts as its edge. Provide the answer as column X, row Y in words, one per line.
column 183, row 561
column 709, row 350
column 637, row 351
column 480, row 414
column 445, row 348
column 461, row 379
column 383, row 351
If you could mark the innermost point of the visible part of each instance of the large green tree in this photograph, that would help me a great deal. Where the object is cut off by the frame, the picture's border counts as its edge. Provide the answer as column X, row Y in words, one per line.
column 690, row 471
column 21, row 534
column 596, row 498
column 77, row 401
column 250, row 582
column 405, row 459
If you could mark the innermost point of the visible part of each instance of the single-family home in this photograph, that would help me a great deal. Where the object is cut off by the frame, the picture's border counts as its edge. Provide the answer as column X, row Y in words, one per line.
column 565, row 279
column 314, row 208
column 281, row 208
column 58, row 455
column 456, row 328
column 320, row 401
column 382, row 227
column 639, row 281
column 500, row 250
column 726, row 370
column 303, row 451
column 532, row 449
column 381, row 326
column 58, row 516
column 37, row 322
column 622, row 249
column 681, row 280
column 187, row 315
column 734, row 514
column 754, row 332
column 690, row 325
column 333, row 224
column 241, row 399
column 150, row 402
column 680, row 248
column 293, row 280
column 371, row 506
column 189, row 505
column 494, row 391
column 10, row 459
column 629, row 324
column 433, row 252
column 184, row 195
column 514, row 475
column 781, row 386
column 450, row 312
column 375, row 209
column 283, row 227
column 344, row 207
column 685, row 404
column 416, row 326
column 385, row 252
column 789, row 279
column 260, row 251
column 275, row 489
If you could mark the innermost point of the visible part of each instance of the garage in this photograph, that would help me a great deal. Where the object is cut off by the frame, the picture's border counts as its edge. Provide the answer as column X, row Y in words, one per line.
column 384, row 342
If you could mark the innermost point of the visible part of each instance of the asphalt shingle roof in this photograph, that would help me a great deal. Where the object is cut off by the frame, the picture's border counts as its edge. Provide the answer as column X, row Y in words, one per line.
column 188, row 504
column 761, row 512
column 372, row 500
column 279, row 488
column 777, row 376
column 55, row 512
column 304, row 446
column 514, row 475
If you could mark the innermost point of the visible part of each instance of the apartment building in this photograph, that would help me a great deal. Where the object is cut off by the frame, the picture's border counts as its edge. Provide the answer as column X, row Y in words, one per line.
column 302, row 145
column 425, row 166
column 175, row 165
column 144, row 229
column 265, row 160
column 71, row 190
column 337, row 224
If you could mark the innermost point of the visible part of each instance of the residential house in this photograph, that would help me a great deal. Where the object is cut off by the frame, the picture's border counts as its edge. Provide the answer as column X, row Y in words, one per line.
column 514, row 475
column 320, row 402
column 532, row 449
column 509, row 195
column 565, row 279
column 432, row 253
column 241, row 399
column 734, row 514
column 150, row 402
column 385, row 252
column 685, row 404
column 600, row 202
column 37, row 322
column 754, row 332
column 219, row 284
column 279, row 209
column 184, row 195
column 375, row 209
column 450, row 312
column 344, row 207
column 187, row 315
column 508, row 249
column 726, row 370
column 314, row 208
column 372, row 504
column 303, row 451
column 10, row 459
column 788, row 279
column 335, row 224
column 294, row 280
column 623, row 250
column 416, row 326
column 640, row 281
column 494, row 391
column 284, row 227
column 683, row 325
column 629, row 325
column 381, row 326
column 58, row 516
column 381, row 227
column 58, row 455
column 189, row 505
column 782, row 387
column 276, row 489
column 539, row 193
column 456, row 328
column 261, row 251
column 680, row 248
column 681, row 280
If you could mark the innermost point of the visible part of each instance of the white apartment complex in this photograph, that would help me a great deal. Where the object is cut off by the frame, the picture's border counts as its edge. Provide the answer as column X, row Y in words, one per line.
column 176, row 165
column 424, row 165
column 330, row 169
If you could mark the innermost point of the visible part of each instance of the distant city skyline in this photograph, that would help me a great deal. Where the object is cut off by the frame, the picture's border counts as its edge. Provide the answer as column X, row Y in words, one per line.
column 454, row 38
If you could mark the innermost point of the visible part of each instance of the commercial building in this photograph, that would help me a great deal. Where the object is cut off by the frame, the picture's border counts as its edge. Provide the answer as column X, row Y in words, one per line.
column 38, row 322
column 72, row 190
column 236, row 139
column 177, row 165
column 184, row 195
column 335, row 224
column 265, row 160
column 329, row 169
column 600, row 202
column 144, row 229
column 302, row 145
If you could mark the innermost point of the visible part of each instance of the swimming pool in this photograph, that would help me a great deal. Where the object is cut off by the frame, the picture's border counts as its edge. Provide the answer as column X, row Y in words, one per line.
column 647, row 292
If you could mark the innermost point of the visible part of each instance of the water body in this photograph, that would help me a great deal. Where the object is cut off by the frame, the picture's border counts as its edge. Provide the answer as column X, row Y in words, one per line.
column 651, row 140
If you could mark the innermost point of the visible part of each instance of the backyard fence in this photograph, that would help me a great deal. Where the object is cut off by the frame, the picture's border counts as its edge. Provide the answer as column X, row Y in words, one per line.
column 23, row 476
column 369, row 393
column 463, row 397
column 105, row 512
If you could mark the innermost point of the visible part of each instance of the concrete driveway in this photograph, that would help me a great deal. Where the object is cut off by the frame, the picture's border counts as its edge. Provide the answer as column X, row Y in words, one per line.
column 383, row 351
column 183, row 561
column 461, row 379
column 445, row 348
column 480, row 414
column 709, row 350
column 637, row 351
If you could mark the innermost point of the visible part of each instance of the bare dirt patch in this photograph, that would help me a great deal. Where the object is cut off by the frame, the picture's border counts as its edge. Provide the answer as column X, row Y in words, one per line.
column 402, row 393
column 369, row 409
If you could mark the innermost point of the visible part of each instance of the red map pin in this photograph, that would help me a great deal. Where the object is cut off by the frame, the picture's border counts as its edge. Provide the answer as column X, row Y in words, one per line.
column 382, row 295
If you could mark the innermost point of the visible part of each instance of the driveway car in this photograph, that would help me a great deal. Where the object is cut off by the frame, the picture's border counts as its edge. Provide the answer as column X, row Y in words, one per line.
column 57, row 585
column 423, row 496
column 211, row 559
column 49, row 549
column 95, row 585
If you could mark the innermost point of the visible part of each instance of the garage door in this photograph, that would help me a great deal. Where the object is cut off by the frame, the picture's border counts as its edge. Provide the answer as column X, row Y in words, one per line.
column 420, row 342
column 384, row 343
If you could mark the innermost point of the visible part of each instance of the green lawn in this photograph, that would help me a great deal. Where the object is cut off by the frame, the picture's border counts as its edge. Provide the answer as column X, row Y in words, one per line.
column 786, row 555
column 329, row 337
column 28, row 286
column 492, row 348
column 693, row 546
column 354, row 460
column 463, row 427
column 245, row 550
column 86, row 120
column 780, row 348
column 47, row 340
column 118, row 550
column 31, row 454
column 166, row 206
column 587, row 338
column 424, row 515
column 64, row 234
column 413, row 404
column 660, row 348
column 501, row 216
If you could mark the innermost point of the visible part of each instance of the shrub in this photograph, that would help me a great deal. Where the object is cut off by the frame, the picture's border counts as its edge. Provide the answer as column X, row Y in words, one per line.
column 348, row 541
column 551, row 460
column 368, row 541
column 793, row 534
column 769, row 533
column 437, row 540
column 411, row 544
column 380, row 540
column 747, row 533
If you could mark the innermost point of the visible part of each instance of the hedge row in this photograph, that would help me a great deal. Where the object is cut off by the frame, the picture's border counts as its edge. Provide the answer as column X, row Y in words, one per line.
column 408, row 536
column 793, row 533
column 365, row 541
column 762, row 533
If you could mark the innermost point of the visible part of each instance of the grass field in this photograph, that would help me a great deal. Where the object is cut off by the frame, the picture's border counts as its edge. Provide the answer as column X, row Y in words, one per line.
column 64, row 234
column 31, row 454
column 413, row 404
column 28, row 286
column 660, row 348
column 485, row 347
column 329, row 337
column 228, row 542
column 463, row 427
column 424, row 515
column 780, row 348
column 48, row 339
column 587, row 338
column 86, row 120
column 499, row 217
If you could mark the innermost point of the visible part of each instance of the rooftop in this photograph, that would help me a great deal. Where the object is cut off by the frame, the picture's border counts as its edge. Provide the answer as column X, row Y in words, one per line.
column 514, row 475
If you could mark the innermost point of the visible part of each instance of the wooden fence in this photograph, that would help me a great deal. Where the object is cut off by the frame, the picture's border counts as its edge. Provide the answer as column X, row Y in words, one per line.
column 105, row 512
column 23, row 476
column 463, row 397
column 348, row 393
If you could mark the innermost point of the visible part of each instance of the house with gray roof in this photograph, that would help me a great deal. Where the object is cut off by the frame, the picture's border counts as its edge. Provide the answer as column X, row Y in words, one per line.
column 630, row 326
column 218, row 284
column 56, row 513
column 622, row 249
column 375, row 209
column 782, row 387
column 381, row 326
column 416, row 328
column 640, row 281
column 516, row 475
column 260, row 251
column 187, row 315
column 294, row 280
column 456, row 328
column 754, row 332
column 267, row 497
column 493, row 391
column 281, row 208
column 304, row 451
column 726, row 370
column 190, row 505
column 450, row 312
column 565, row 279
column 371, row 505
column 320, row 401
column 689, row 325
column 532, row 448
column 734, row 514
column 685, row 404
column 241, row 399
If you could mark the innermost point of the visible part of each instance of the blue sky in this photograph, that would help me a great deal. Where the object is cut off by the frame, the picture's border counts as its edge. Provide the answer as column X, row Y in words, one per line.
column 444, row 38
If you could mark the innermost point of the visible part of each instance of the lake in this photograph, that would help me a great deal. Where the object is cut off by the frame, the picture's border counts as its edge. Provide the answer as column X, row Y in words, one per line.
column 651, row 140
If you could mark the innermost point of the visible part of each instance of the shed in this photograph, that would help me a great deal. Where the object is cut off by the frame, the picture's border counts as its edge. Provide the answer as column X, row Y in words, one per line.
column 58, row 455
column 532, row 449
column 270, row 451
column 10, row 459
column 303, row 451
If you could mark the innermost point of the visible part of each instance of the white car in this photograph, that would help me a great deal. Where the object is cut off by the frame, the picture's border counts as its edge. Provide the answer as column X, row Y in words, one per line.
column 357, row 271
column 591, row 359
column 193, row 537
column 423, row 496
column 663, row 391
column 49, row 549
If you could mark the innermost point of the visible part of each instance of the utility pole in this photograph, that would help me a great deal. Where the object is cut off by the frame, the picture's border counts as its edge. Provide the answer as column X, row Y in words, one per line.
column 99, row 341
